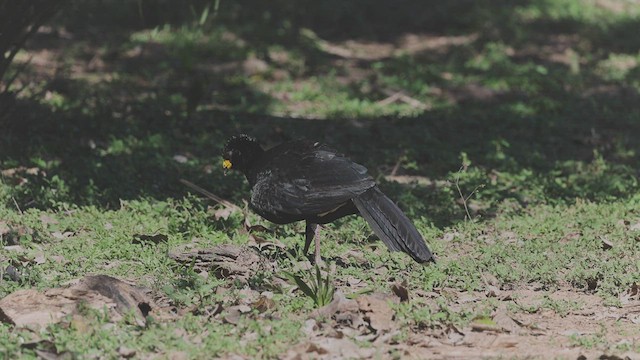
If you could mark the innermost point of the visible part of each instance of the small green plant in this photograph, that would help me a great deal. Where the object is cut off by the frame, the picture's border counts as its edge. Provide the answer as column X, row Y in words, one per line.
column 320, row 289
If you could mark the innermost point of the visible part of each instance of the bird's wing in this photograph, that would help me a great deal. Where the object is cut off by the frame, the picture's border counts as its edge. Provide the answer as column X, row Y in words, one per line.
column 308, row 181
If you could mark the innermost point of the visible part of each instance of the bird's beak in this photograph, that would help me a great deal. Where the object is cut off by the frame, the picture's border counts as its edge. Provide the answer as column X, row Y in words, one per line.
column 226, row 165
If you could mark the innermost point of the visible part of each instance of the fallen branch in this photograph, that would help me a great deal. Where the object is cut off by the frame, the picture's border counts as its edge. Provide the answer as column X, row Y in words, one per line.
column 211, row 196
column 402, row 97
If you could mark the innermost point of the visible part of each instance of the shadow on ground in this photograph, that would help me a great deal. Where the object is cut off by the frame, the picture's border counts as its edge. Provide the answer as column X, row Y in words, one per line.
column 122, row 131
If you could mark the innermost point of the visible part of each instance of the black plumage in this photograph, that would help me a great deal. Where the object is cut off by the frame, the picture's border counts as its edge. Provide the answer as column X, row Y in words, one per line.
column 302, row 180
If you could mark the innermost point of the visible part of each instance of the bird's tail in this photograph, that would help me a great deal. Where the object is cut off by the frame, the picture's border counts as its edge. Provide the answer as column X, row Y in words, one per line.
column 391, row 225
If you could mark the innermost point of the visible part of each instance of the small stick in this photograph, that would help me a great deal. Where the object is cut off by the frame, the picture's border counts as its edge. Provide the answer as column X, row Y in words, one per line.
column 16, row 204
column 210, row 195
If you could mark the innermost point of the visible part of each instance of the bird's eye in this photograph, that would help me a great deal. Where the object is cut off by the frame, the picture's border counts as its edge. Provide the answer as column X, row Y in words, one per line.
column 226, row 164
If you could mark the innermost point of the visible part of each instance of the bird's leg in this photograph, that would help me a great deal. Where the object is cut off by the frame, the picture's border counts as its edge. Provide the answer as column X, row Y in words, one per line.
column 316, row 237
column 312, row 232
column 309, row 233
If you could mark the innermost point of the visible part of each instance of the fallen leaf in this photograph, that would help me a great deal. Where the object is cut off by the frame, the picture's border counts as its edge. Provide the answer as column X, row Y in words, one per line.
column 47, row 350
column 263, row 304
column 485, row 324
column 62, row 235
column 449, row 236
column 181, row 159
column 341, row 348
column 353, row 255
column 126, row 352
column 633, row 293
column 177, row 355
column 40, row 308
column 223, row 213
column 305, row 350
column 15, row 248
column 33, row 308
column 492, row 291
column 339, row 304
column 606, row 244
column 225, row 261
column 310, row 326
column 47, row 219
column 504, row 321
column 263, row 243
column 4, row 228
column 377, row 311
column 570, row 237
column 634, row 318
column 247, row 296
column 506, row 341
column 16, row 234
column 80, row 323
column 149, row 239
column 39, row 258
column 401, row 291
column 234, row 313
column 453, row 335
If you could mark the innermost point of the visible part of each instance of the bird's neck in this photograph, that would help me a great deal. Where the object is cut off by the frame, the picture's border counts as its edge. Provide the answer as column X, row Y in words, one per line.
column 252, row 170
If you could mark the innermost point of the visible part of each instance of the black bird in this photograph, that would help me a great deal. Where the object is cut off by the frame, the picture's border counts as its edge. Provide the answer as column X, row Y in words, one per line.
column 303, row 180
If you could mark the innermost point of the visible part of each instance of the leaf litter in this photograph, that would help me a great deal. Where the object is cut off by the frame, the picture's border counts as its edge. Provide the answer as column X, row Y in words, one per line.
column 360, row 325
column 39, row 308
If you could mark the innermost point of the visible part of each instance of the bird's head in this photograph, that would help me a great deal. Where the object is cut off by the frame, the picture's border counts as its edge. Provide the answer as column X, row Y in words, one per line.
column 240, row 152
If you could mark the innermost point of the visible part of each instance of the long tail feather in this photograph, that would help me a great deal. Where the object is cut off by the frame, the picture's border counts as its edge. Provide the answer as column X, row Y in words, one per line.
column 391, row 225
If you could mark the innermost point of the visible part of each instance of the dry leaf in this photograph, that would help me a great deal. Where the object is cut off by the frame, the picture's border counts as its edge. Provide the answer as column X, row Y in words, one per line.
column 40, row 308
column 633, row 293
column 181, row 159
column 39, row 258
column 15, row 248
column 303, row 351
column 505, row 341
column 401, row 291
column 149, row 239
column 492, row 291
column 234, row 313
column 177, row 355
column 606, row 243
column 263, row 243
column 263, row 304
column 341, row 348
column 504, row 321
column 126, row 352
column 47, row 219
column 47, row 350
column 453, row 335
column 340, row 304
column 15, row 234
column 59, row 235
column 223, row 213
column 4, row 228
column 226, row 261
column 33, row 308
column 310, row 326
column 377, row 311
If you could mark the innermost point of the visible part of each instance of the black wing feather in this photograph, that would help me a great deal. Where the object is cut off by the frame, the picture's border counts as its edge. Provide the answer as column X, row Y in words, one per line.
column 391, row 225
column 315, row 180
